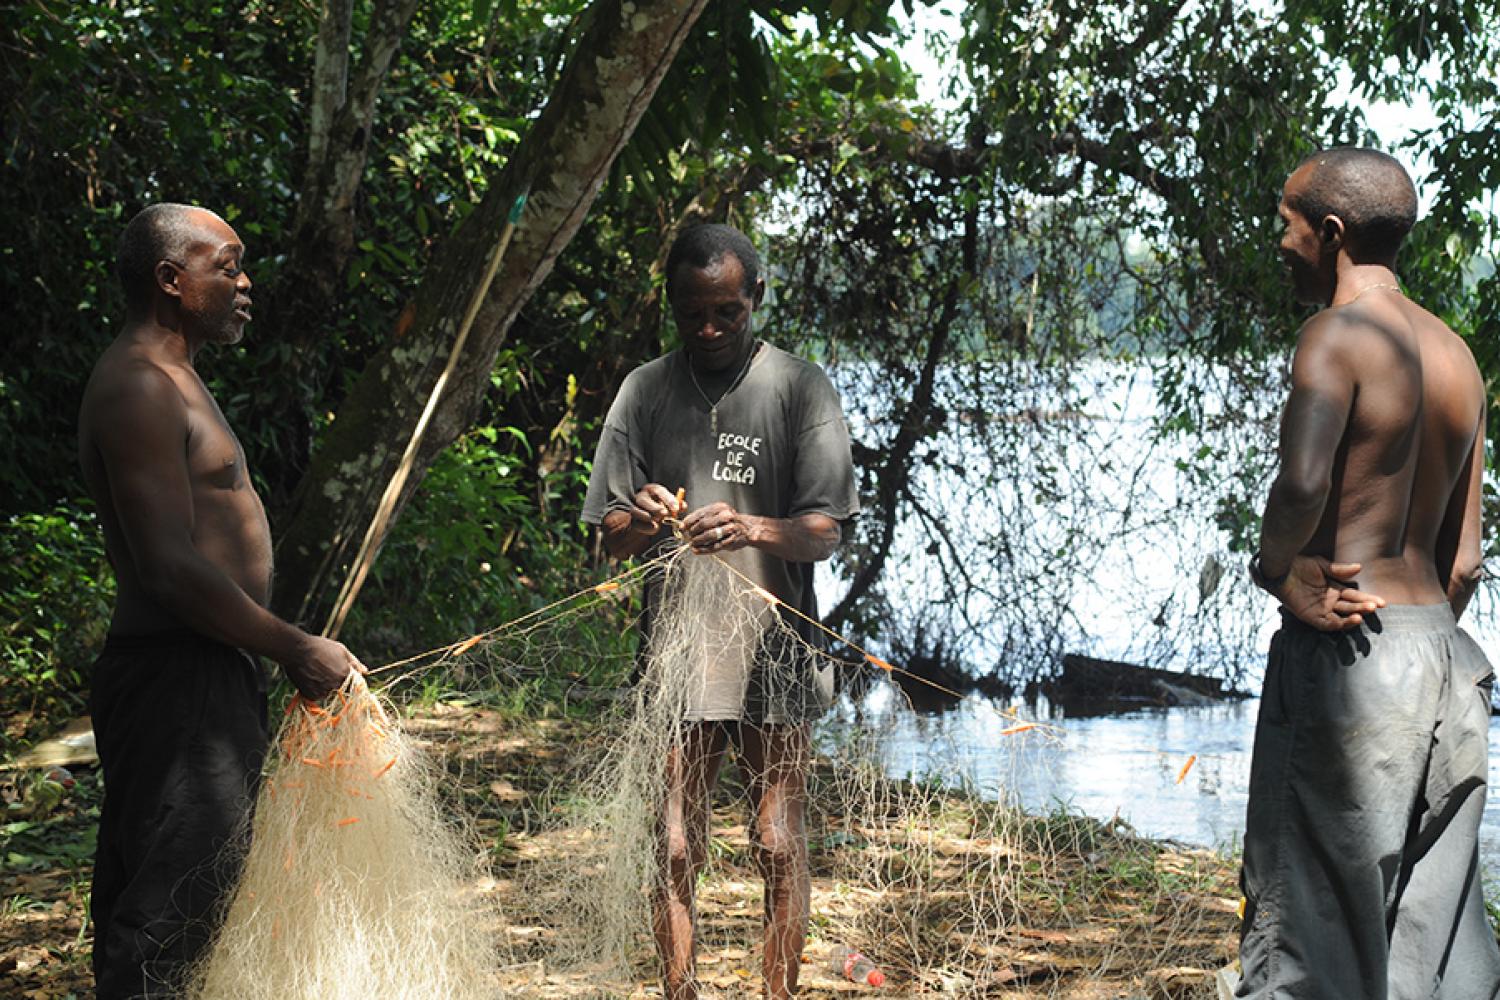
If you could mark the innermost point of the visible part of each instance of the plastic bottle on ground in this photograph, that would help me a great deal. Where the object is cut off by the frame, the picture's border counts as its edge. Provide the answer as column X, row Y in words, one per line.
column 851, row 965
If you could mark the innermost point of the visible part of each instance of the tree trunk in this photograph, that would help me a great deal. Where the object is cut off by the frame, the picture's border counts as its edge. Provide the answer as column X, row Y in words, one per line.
column 610, row 79
column 323, row 231
column 338, row 145
column 916, row 425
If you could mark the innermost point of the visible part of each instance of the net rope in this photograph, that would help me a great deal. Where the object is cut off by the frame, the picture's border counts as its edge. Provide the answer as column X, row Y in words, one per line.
column 365, row 865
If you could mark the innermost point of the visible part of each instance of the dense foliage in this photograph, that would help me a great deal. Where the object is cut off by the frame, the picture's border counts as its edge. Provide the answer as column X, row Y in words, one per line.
column 1098, row 185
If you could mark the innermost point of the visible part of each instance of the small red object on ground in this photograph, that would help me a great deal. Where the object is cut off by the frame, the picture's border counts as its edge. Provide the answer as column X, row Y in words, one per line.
column 853, row 966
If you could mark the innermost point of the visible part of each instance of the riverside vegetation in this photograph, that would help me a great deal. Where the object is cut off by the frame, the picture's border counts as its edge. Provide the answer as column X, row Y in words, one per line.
column 1086, row 181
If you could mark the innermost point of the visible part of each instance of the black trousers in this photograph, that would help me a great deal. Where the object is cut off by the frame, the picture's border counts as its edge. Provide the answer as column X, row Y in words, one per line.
column 180, row 721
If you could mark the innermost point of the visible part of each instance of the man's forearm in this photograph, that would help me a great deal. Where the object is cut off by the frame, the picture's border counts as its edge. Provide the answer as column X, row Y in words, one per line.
column 1292, row 515
column 1461, row 586
column 806, row 538
column 209, row 602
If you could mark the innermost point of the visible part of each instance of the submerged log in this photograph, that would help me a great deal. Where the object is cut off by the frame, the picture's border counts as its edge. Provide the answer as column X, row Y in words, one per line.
column 931, row 683
column 1089, row 685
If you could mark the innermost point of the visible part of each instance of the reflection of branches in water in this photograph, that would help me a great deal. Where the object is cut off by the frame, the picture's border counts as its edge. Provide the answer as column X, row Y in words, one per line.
column 1034, row 480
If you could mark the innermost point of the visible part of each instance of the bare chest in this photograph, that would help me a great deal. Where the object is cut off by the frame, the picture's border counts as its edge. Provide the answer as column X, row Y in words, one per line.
column 215, row 459
column 229, row 521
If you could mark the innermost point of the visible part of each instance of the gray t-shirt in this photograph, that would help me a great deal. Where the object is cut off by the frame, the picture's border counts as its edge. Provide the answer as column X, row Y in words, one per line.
column 781, row 450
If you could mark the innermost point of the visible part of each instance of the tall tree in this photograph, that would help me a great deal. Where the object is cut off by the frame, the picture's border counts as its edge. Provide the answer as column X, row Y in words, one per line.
column 613, row 72
column 340, row 116
column 1115, row 158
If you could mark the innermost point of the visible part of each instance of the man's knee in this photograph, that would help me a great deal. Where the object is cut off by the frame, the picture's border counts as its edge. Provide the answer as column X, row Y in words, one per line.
column 682, row 853
column 780, row 845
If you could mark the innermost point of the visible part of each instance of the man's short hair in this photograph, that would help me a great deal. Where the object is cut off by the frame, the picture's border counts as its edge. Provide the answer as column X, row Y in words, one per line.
column 702, row 245
column 164, row 231
column 1369, row 191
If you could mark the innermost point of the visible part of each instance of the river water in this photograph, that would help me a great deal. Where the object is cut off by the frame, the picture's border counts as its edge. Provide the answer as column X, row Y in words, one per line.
column 1118, row 765
column 1125, row 765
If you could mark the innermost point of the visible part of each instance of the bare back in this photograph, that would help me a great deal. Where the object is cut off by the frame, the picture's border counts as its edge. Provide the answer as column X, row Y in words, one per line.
column 166, row 471
column 1406, row 469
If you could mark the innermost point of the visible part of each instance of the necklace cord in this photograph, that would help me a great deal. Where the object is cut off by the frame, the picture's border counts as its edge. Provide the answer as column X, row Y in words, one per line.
column 1378, row 285
column 713, row 404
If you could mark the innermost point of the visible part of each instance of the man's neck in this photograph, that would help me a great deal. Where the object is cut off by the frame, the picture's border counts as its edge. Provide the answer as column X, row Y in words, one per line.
column 1353, row 280
column 726, row 375
column 168, row 344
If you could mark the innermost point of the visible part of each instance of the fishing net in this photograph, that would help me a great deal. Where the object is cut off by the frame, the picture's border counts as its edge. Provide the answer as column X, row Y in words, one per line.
column 360, row 879
column 942, row 879
column 710, row 621
column 363, row 880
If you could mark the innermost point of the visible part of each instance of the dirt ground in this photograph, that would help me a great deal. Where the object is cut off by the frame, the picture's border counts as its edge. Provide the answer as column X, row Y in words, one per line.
column 1097, row 913
column 44, row 945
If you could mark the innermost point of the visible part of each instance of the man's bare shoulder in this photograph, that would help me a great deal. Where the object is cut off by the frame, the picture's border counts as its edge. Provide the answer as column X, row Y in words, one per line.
column 1363, row 336
column 1328, row 341
column 1346, row 326
column 128, row 387
column 1441, row 335
column 1449, row 358
column 1441, row 349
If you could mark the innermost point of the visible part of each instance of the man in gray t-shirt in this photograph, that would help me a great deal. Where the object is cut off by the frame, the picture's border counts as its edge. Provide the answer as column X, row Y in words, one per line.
column 756, row 439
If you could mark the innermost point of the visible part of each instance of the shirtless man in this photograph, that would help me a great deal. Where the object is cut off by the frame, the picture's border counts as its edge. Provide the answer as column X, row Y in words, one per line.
column 178, row 699
column 1368, row 779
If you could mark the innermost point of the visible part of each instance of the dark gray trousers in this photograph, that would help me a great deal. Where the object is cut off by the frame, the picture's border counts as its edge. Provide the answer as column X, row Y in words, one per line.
column 1367, row 785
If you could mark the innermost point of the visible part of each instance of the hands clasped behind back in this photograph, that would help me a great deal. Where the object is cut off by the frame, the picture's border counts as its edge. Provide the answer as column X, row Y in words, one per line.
column 1320, row 593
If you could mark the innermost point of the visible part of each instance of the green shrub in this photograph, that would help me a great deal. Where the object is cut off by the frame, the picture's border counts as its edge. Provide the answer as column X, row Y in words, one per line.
column 480, row 544
column 56, row 594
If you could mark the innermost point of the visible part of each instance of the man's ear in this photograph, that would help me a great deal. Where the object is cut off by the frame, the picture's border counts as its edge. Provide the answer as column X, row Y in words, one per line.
column 166, row 279
column 760, row 292
column 1331, row 233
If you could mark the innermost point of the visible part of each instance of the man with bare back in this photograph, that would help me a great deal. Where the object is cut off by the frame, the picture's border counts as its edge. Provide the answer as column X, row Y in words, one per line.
column 179, row 698
column 1361, row 868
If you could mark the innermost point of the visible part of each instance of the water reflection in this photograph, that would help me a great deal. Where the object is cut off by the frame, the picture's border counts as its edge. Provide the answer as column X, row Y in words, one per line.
column 1121, row 765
